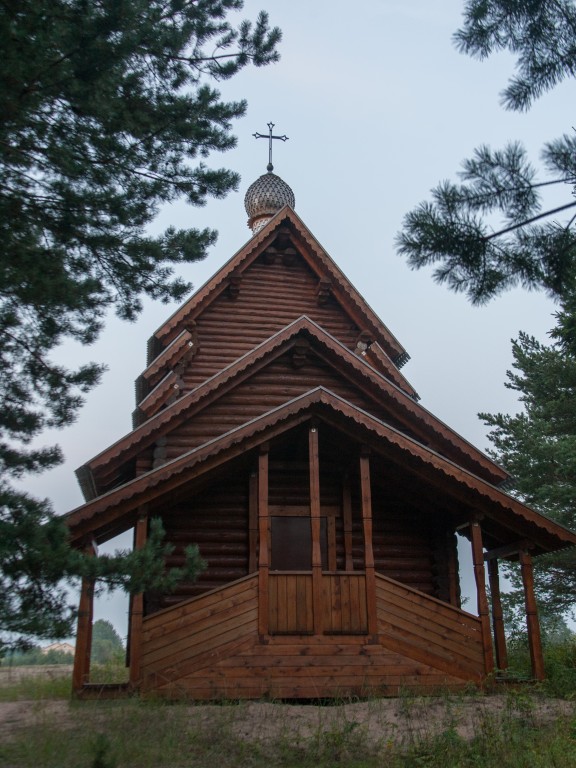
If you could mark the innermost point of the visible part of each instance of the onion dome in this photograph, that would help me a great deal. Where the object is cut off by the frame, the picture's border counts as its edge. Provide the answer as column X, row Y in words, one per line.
column 264, row 198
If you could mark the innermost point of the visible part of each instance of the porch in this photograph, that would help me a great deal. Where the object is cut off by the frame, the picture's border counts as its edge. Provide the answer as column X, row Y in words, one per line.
column 210, row 648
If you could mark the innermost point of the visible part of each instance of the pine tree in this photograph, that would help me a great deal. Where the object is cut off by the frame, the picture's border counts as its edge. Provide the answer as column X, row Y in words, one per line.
column 107, row 113
column 538, row 447
column 454, row 231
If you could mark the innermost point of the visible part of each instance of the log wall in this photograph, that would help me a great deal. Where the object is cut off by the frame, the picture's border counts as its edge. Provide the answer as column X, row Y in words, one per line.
column 278, row 383
column 271, row 296
column 218, row 521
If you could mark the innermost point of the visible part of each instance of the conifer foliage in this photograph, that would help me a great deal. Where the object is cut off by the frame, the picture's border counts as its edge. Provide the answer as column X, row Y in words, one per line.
column 107, row 113
column 538, row 447
column 533, row 245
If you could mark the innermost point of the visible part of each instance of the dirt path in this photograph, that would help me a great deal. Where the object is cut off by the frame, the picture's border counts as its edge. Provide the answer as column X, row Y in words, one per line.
column 401, row 719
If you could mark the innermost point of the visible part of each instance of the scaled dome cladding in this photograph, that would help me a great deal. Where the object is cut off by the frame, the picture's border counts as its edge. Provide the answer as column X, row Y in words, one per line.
column 268, row 195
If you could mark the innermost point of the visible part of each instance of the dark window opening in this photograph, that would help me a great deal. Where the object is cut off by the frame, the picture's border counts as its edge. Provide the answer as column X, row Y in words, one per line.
column 292, row 543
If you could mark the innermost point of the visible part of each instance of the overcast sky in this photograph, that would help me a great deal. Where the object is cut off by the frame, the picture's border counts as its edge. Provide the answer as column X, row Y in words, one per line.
column 379, row 107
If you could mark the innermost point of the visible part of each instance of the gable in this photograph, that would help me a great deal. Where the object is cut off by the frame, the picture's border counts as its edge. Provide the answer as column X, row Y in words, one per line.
column 409, row 464
column 281, row 274
column 299, row 358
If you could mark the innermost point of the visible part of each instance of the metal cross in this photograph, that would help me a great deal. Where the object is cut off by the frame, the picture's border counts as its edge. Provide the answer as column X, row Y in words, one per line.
column 270, row 136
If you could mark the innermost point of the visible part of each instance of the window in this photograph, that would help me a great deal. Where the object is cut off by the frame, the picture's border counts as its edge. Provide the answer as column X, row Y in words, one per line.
column 292, row 543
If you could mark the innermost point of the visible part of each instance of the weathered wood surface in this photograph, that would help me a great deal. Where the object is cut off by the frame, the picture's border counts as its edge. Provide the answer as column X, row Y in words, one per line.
column 428, row 630
column 209, row 647
column 290, row 603
column 271, row 297
column 196, row 633
column 343, row 604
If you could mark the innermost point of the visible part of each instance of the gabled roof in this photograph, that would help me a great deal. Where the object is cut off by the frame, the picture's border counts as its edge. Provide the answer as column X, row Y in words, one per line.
column 106, row 513
column 287, row 223
column 417, row 420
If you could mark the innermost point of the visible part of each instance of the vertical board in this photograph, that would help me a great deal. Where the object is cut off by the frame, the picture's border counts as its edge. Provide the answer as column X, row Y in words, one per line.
column 290, row 603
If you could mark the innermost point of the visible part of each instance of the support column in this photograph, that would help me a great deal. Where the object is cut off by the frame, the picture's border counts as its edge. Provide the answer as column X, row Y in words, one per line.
column 81, row 671
column 347, row 521
column 366, row 494
column 137, row 607
column 483, row 610
column 453, row 575
column 532, row 622
column 316, row 529
column 497, row 617
column 253, row 523
column 264, row 541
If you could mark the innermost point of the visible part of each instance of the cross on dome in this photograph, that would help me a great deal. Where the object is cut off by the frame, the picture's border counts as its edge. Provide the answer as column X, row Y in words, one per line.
column 270, row 137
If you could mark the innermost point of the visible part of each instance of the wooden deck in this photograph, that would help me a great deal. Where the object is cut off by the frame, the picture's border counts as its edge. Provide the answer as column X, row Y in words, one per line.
column 208, row 647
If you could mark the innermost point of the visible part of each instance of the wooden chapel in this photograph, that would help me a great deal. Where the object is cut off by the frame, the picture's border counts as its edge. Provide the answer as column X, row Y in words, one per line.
column 275, row 429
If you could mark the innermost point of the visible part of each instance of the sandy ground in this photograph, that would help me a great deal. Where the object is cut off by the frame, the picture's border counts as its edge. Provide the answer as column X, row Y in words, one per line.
column 398, row 720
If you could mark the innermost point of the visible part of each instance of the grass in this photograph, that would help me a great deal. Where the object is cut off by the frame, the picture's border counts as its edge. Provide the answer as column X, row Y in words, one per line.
column 137, row 734
column 36, row 688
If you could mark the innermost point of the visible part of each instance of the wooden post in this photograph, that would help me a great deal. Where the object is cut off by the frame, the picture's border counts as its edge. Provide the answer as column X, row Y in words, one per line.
column 137, row 607
column 497, row 617
column 368, row 547
column 453, row 576
column 315, row 523
column 483, row 610
column 347, row 522
column 253, row 523
column 81, row 671
column 263, row 544
column 532, row 622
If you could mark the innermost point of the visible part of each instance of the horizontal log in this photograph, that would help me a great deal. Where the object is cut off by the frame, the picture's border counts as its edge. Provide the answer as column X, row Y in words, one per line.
column 211, row 547
column 215, row 530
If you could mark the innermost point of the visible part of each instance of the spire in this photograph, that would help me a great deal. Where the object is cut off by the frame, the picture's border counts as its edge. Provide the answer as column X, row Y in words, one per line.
column 269, row 193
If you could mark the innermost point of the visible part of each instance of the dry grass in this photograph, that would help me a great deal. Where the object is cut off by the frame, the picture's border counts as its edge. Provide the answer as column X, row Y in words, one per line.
column 513, row 730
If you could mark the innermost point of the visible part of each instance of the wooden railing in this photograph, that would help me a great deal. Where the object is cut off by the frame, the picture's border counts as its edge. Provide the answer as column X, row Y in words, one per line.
column 196, row 633
column 428, row 630
column 343, row 603
column 183, row 645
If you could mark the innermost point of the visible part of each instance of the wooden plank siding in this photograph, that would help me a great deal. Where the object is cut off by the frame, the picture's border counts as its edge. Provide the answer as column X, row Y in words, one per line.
column 208, row 647
column 291, row 608
column 290, row 604
column 344, row 604
column 180, row 640
column 429, row 630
